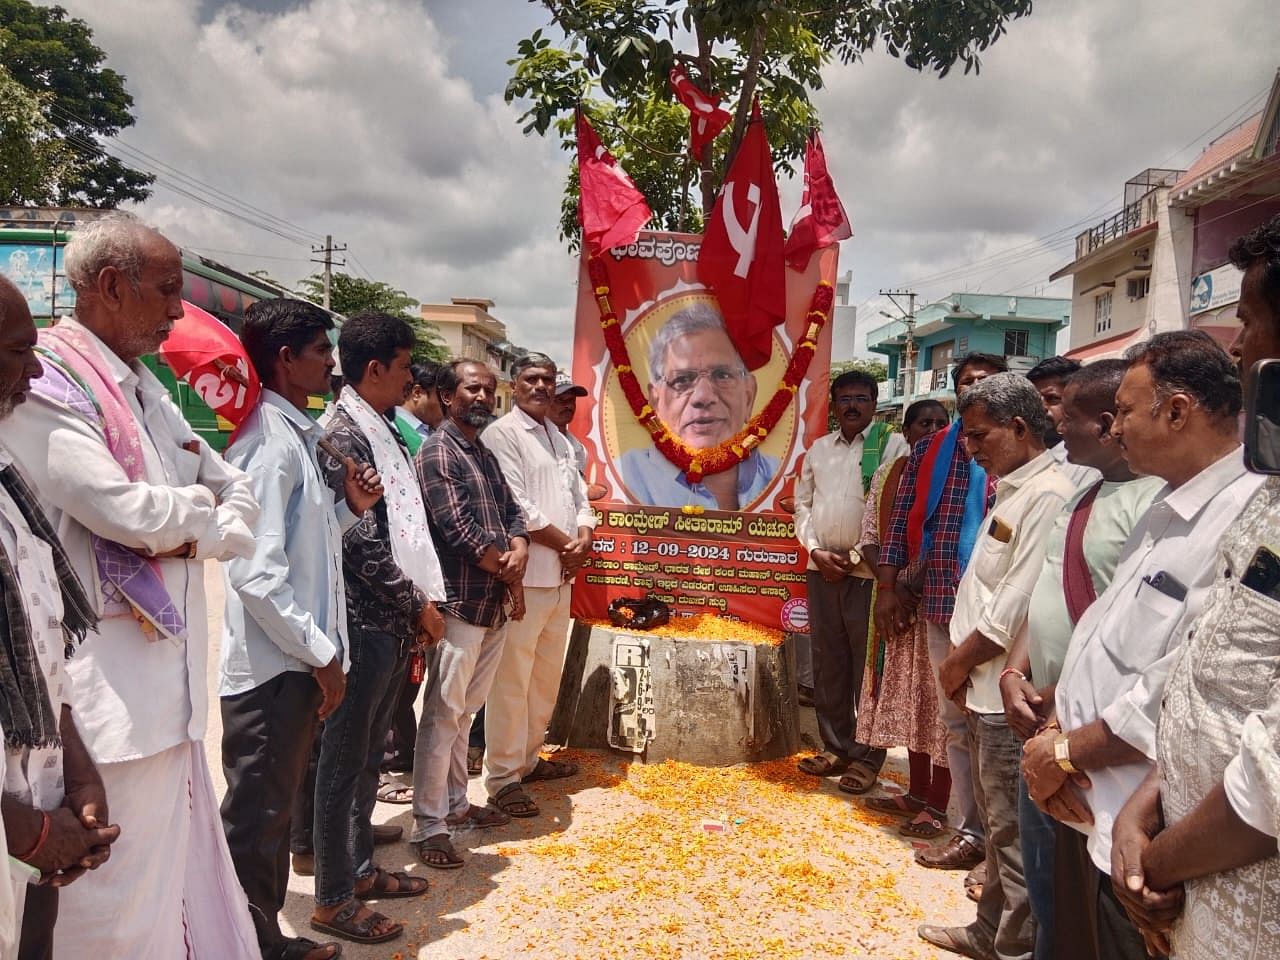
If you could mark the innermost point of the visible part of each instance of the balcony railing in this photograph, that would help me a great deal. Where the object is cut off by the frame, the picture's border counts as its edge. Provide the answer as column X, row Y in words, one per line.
column 1137, row 214
column 925, row 382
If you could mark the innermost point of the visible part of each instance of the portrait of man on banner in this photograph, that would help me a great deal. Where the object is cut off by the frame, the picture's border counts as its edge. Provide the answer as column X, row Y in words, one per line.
column 701, row 389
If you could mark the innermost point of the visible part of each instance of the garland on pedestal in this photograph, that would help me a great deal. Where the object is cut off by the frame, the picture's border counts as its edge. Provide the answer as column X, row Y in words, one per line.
column 695, row 463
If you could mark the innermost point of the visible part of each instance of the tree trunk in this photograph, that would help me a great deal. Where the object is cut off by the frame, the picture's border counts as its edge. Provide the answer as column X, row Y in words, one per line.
column 750, row 76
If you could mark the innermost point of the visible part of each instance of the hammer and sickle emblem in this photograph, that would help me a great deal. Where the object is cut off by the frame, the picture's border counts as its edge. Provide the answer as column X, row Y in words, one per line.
column 742, row 241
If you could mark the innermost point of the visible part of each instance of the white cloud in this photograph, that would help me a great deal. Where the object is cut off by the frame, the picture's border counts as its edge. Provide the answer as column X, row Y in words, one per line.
column 381, row 122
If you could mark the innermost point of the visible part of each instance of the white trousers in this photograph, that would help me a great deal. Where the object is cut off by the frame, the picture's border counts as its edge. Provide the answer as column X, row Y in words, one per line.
column 459, row 671
column 525, row 687
column 169, row 891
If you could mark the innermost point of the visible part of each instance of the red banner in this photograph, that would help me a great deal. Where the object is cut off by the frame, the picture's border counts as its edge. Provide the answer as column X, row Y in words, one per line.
column 724, row 544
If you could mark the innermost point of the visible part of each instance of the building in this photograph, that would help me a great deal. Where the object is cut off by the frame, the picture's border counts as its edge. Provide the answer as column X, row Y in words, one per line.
column 1125, row 275
column 921, row 353
column 844, row 321
column 471, row 332
column 1232, row 188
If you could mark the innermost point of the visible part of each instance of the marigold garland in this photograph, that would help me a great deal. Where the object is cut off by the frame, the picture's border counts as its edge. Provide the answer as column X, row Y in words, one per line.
column 695, row 463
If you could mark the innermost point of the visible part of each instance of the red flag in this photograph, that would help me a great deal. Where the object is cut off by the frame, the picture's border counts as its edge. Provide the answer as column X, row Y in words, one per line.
column 741, row 257
column 821, row 220
column 610, row 209
column 204, row 352
column 706, row 119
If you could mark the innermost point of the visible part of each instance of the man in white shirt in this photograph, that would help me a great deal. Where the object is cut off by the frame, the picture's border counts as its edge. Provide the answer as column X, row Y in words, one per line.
column 139, row 501
column 540, row 469
column 1083, row 549
column 1176, row 418
column 1206, row 816
column 830, row 499
column 1004, row 426
column 55, row 806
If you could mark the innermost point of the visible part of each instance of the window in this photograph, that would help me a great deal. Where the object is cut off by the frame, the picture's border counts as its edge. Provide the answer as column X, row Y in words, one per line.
column 1102, row 312
column 1016, row 342
column 1139, row 288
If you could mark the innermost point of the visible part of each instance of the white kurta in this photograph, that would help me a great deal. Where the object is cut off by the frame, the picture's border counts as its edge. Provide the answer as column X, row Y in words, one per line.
column 141, row 705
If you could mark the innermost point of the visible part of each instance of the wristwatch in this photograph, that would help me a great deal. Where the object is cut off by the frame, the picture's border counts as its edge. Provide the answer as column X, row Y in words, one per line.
column 1062, row 753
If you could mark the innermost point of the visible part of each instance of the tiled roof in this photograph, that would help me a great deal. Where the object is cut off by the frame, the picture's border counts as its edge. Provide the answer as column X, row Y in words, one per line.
column 1221, row 152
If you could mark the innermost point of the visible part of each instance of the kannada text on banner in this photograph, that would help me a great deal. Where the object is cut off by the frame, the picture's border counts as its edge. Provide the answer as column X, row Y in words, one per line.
column 723, row 544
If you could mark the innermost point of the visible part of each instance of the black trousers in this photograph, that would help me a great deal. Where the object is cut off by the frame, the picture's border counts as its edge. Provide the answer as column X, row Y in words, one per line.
column 38, row 918
column 404, row 729
column 267, row 735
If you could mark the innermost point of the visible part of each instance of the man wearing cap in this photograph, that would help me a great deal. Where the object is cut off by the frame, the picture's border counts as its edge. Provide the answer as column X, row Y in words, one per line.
column 539, row 467
column 564, row 406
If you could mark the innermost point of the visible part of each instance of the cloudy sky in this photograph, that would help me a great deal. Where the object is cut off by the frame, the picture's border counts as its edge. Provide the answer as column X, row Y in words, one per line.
column 382, row 123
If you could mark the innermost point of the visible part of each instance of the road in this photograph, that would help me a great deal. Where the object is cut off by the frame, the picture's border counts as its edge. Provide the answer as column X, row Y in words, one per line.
column 661, row 862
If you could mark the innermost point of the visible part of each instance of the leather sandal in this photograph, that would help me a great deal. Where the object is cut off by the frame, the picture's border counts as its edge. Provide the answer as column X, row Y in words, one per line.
column 825, row 764
column 513, row 801
column 954, row 940
column 956, row 854
column 859, row 778
column 344, row 924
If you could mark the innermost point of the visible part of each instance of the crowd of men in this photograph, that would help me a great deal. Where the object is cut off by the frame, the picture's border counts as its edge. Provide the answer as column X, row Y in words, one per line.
column 359, row 557
column 1064, row 604
column 1097, row 572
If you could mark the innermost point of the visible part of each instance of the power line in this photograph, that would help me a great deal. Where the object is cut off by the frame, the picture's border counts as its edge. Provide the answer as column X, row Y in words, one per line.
column 1027, row 250
column 186, row 184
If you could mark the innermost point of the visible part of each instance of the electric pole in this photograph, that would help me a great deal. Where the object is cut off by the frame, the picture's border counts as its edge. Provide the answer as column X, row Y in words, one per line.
column 328, row 250
column 909, row 344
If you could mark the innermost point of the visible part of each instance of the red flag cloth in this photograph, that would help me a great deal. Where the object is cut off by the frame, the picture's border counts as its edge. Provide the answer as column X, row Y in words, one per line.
column 203, row 351
column 610, row 208
column 741, row 257
column 821, row 220
column 706, row 119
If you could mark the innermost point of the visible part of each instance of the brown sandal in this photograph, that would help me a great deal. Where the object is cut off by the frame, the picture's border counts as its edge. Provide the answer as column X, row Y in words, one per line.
column 550, row 770
column 824, row 764
column 512, row 800
column 345, row 925
column 380, row 888
column 896, row 805
column 446, row 858
column 479, row 817
column 859, row 779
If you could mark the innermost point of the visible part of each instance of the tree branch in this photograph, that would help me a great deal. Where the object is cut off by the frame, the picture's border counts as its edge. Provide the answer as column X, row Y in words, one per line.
column 750, row 76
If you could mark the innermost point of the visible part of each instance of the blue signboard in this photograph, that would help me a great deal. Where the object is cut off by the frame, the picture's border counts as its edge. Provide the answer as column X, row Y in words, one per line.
column 31, row 267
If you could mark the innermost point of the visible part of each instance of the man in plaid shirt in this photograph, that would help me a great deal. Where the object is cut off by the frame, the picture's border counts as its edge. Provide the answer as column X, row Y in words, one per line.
column 897, row 600
column 480, row 535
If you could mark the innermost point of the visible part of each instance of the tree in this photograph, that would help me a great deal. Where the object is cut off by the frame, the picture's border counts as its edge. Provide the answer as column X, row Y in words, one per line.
column 350, row 295
column 54, row 57
column 775, row 49
column 33, row 160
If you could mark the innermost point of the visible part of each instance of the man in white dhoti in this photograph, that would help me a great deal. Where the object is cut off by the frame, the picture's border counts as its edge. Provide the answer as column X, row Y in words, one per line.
column 138, row 501
column 54, row 804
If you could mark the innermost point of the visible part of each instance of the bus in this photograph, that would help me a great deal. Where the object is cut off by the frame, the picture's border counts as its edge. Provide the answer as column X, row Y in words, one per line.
column 31, row 256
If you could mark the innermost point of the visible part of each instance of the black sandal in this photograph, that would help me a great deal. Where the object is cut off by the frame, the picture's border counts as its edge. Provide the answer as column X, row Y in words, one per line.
column 513, row 801
column 297, row 948
column 448, row 858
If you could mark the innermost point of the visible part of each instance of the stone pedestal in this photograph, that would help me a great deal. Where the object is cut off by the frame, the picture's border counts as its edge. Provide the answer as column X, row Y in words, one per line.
column 712, row 703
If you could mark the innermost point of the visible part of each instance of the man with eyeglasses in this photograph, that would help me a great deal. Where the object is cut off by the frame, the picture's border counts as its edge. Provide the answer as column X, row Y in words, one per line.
column 830, row 498
column 702, row 391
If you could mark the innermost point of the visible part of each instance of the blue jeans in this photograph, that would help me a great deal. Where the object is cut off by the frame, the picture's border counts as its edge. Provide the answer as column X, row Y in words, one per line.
column 351, row 751
column 1039, row 841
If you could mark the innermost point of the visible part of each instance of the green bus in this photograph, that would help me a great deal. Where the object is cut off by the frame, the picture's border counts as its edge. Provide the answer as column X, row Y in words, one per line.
column 31, row 256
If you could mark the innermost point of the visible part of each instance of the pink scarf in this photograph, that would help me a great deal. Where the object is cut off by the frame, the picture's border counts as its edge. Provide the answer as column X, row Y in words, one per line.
column 77, row 376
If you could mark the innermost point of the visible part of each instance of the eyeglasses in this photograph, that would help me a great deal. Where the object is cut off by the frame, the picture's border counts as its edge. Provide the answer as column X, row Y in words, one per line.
column 722, row 378
column 860, row 399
